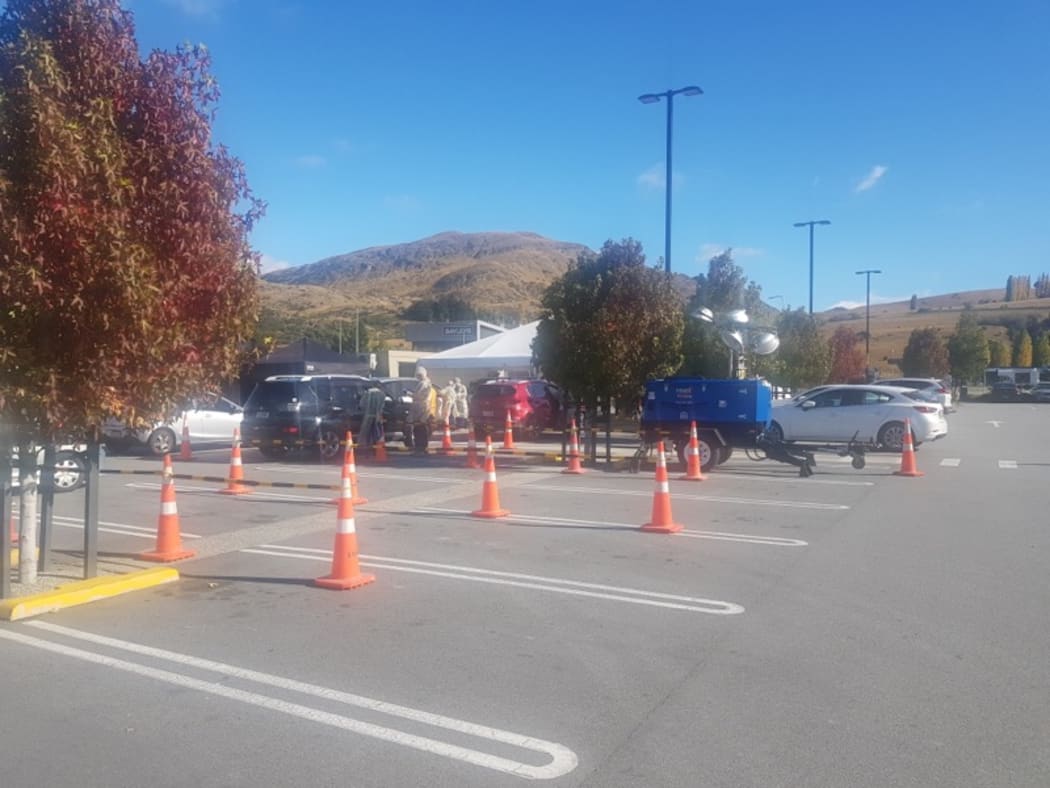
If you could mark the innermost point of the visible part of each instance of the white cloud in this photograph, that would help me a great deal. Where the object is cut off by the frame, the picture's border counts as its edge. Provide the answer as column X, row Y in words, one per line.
column 198, row 7
column 654, row 178
column 709, row 250
column 875, row 299
column 310, row 161
column 872, row 178
column 268, row 264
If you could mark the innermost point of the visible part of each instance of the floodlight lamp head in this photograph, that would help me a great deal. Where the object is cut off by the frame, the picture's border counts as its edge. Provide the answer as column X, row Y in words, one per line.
column 764, row 342
column 705, row 314
column 737, row 316
column 733, row 339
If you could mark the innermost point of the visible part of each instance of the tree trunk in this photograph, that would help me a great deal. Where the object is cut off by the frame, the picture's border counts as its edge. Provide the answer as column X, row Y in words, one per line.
column 27, row 513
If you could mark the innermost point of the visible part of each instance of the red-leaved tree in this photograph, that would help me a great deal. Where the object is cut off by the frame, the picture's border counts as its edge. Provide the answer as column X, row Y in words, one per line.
column 847, row 357
column 127, row 282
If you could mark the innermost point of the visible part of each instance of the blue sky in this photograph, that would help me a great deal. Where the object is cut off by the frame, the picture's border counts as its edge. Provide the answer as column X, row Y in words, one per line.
column 920, row 130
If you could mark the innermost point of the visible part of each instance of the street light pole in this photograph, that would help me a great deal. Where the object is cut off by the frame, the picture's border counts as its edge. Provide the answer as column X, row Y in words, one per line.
column 652, row 98
column 867, row 315
column 810, row 225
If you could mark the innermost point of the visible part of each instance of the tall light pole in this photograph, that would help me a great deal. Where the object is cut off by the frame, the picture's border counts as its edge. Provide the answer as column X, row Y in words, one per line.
column 652, row 98
column 810, row 225
column 867, row 315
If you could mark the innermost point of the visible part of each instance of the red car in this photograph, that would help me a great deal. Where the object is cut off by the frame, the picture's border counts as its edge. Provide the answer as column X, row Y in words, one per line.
column 534, row 406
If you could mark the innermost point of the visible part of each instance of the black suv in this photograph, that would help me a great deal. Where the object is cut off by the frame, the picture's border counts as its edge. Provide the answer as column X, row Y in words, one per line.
column 311, row 413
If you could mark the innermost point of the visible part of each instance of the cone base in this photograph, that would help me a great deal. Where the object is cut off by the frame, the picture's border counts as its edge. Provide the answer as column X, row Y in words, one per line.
column 490, row 513
column 473, row 465
column 574, row 470
column 166, row 556
column 669, row 528
column 908, row 473
column 344, row 583
column 235, row 490
column 687, row 478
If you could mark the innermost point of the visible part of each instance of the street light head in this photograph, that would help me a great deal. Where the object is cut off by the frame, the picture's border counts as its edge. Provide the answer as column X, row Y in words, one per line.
column 649, row 98
column 822, row 221
column 800, row 224
column 692, row 90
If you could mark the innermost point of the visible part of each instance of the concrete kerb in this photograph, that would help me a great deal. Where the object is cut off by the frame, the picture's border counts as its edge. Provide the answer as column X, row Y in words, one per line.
column 84, row 591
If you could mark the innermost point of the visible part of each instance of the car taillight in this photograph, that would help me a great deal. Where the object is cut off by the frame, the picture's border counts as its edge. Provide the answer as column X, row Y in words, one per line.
column 942, row 390
column 926, row 408
column 291, row 430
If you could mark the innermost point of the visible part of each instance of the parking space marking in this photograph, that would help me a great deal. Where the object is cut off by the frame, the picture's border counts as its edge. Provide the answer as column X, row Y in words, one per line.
column 534, row 582
column 363, row 474
column 793, row 479
column 683, row 497
column 1008, row 465
column 950, row 462
column 562, row 759
column 605, row 525
column 254, row 494
column 123, row 529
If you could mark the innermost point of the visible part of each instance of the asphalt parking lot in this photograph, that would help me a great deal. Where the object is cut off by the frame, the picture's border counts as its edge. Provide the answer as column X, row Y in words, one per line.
column 854, row 628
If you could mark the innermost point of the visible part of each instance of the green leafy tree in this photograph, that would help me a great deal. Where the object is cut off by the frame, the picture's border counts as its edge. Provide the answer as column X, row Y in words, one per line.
column 847, row 357
column 968, row 349
column 127, row 283
column 803, row 355
column 722, row 288
column 925, row 355
column 1041, row 350
column 998, row 353
column 609, row 324
column 1011, row 294
column 1023, row 349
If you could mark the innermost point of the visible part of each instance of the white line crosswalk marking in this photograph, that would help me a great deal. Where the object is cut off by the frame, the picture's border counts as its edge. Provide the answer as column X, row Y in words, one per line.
column 1008, row 465
column 950, row 462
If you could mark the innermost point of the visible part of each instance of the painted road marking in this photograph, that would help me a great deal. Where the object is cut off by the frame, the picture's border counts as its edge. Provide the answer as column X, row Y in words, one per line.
column 254, row 494
column 541, row 520
column 369, row 474
column 794, row 478
column 707, row 498
column 994, row 423
column 950, row 462
column 535, row 582
column 562, row 759
column 113, row 528
column 1008, row 465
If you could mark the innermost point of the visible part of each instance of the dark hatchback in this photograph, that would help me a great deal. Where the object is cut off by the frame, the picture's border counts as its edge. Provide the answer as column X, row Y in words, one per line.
column 310, row 414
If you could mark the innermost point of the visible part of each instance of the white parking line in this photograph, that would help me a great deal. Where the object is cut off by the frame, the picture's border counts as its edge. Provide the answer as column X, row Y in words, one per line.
column 562, row 759
column 683, row 497
column 950, row 462
column 603, row 524
column 123, row 529
column 1008, row 465
column 367, row 474
column 255, row 493
column 535, row 582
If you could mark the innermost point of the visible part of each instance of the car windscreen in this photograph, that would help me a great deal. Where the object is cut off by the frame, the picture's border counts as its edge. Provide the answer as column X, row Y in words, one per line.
column 271, row 394
column 495, row 392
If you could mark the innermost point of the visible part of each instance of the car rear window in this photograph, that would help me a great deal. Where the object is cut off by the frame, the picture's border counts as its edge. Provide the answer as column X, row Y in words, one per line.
column 495, row 392
column 269, row 394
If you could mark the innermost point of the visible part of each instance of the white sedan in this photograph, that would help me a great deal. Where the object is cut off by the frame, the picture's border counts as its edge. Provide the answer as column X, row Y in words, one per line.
column 866, row 414
column 208, row 422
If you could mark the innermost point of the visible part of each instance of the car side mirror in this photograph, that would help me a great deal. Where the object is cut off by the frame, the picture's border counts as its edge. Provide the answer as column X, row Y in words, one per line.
column 808, row 404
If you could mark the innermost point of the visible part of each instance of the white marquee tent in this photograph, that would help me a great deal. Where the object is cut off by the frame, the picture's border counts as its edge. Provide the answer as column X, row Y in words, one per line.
column 508, row 353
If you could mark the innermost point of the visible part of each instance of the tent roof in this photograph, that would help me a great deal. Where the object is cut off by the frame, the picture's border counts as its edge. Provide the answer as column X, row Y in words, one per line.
column 511, row 348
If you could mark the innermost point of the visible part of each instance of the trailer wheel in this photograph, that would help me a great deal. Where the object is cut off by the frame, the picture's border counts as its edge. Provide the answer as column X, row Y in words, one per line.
column 858, row 462
column 710, row 455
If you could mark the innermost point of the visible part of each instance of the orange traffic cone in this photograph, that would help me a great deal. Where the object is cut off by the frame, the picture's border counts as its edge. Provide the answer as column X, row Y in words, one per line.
column 233, row 483
column 574, row 451
column 508, row 433
column 169, row 539
column 661, row 521
column 379, row 447
column 908, row 454
column 472, row 449
column 185, row 449
column 349, row 476
column 692, row 458
column 446, row 441
column 346, row 571
column 490, row 492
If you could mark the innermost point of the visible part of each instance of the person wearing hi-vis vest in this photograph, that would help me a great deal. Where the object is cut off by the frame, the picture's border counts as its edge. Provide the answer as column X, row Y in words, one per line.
column 424, row 409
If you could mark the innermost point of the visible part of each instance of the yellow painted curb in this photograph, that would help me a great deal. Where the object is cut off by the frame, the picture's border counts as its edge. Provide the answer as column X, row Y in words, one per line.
column 84, row 591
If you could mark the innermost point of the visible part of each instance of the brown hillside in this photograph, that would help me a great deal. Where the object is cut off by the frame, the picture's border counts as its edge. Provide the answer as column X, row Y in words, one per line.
column 892, row 324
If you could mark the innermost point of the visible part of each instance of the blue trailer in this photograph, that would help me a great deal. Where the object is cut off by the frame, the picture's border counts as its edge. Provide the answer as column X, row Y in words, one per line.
column 728, row 414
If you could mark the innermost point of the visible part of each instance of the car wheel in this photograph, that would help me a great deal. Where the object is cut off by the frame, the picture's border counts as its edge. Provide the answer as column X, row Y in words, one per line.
column 710, row 455
column 328, row 442
column 775, row 433
column 69, row 473
column 891, row 436
column 161, row 441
